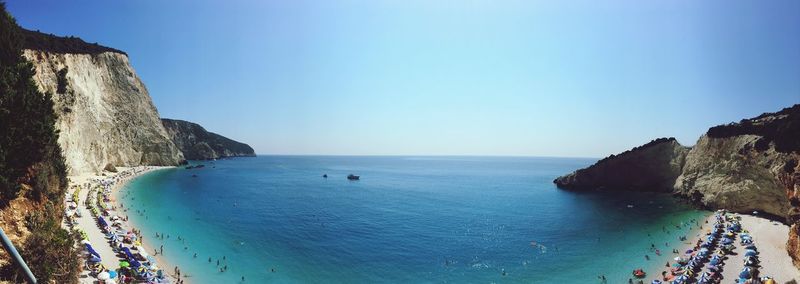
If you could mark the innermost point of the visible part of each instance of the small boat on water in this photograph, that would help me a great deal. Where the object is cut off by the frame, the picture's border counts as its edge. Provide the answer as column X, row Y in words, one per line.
column 353, row 177
column 325, row 176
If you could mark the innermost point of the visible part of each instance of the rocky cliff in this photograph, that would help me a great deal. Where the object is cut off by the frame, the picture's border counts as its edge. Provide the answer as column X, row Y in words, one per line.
column 105, row 115
column 650, row 167
column 790, row 178
column 733, row 173
column 198, row 144
column 735, row 166
column 747, row 166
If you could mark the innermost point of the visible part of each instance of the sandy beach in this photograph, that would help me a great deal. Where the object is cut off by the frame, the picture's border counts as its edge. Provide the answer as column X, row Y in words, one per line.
column 769, row 237
column 88, row 223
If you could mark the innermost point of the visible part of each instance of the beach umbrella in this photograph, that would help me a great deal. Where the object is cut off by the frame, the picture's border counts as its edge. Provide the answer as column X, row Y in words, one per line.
column 677, row 258
column 103, row 276
column 750, row 253
column 85, row 242
column 112, row 274
column 689, row 251
column 656, row 282
column 147, row 275
column 745, row 273
column 124, row 264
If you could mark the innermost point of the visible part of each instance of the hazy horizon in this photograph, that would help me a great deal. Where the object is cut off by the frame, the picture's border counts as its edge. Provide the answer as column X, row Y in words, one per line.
column 446, row 78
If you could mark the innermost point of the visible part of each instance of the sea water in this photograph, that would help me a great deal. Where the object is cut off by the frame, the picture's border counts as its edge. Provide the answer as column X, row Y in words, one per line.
column 407, row 220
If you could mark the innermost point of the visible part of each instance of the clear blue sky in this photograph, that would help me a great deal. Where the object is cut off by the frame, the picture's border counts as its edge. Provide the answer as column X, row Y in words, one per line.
column 540, row 78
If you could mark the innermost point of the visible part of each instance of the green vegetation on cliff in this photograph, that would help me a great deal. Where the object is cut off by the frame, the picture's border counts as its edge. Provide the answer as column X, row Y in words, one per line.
column 780, row 127
column 68, row 44
column 31, row 164
column 198, row 144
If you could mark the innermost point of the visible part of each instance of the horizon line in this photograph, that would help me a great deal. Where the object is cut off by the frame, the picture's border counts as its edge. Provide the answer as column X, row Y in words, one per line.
column 425, row 155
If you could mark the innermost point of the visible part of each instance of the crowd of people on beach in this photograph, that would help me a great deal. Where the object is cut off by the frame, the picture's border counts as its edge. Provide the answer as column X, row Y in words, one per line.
column 704, row 262
column 135, row 265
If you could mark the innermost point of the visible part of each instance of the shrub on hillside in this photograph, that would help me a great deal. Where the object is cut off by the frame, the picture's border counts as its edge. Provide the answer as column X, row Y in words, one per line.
column 31, row 158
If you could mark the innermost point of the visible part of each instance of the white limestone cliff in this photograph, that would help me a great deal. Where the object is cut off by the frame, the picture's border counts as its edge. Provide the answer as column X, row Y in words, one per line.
column 105, row 113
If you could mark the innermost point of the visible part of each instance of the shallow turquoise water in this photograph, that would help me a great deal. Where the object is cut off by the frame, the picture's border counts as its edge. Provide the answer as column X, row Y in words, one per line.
column 408, row 220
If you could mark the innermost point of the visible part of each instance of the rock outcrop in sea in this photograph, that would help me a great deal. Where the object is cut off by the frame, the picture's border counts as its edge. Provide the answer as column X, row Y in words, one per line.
column 198, row 144
column 747, row 166
column 651, row 167
column 105, row 114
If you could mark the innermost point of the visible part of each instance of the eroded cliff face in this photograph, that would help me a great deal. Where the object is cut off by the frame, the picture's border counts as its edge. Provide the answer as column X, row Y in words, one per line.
column 651, row 167
column 790, row 179
column 105, row 115
column 732, row 173
column 752, row 165
column 737, row 166
column 198, row 144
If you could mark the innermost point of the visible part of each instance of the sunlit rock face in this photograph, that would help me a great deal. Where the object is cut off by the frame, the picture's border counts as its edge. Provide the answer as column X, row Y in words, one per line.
column 105, row 113
column 747, row 166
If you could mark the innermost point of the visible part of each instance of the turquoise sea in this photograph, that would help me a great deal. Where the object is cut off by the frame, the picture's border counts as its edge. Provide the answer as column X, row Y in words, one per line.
column 408, row 220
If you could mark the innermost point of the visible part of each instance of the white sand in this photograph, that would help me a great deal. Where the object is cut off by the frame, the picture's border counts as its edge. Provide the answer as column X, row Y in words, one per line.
column 770, row 239
column 95, row 235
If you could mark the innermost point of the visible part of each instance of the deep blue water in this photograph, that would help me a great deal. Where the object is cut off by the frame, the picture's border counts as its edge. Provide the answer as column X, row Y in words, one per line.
column 408, row 220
